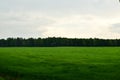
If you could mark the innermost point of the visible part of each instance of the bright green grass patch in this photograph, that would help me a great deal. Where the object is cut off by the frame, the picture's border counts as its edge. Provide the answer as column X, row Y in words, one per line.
column 60, row 63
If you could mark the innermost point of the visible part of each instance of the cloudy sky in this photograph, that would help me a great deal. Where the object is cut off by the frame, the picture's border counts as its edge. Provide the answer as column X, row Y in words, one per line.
column 60, row 18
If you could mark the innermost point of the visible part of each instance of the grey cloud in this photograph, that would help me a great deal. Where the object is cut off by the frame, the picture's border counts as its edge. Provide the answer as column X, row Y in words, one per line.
column 26, row 25
column 115, row 28
column 61, row 6
column 29, row 18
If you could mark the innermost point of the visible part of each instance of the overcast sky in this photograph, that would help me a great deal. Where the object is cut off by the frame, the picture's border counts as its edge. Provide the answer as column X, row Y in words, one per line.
column 60, row 18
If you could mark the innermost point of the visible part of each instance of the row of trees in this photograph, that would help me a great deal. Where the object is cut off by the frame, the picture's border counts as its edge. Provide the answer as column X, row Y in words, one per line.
column 53, row 41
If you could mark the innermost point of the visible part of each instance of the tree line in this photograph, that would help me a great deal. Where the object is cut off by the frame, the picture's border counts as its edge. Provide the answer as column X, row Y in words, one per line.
column 57, row 41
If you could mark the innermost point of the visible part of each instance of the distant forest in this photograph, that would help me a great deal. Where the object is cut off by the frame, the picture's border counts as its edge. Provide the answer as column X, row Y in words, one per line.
column 57, row 41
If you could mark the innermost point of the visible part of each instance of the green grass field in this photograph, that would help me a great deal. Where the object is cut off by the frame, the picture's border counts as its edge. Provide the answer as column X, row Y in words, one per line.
column 60, row 63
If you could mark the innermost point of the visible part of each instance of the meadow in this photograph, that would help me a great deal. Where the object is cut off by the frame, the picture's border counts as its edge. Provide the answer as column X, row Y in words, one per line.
column 60, row 63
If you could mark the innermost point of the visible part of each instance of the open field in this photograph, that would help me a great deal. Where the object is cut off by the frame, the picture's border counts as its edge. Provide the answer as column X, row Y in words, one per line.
column 60, row 63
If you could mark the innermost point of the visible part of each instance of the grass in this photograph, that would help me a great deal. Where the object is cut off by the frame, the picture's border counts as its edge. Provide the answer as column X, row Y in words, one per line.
column 60, row 63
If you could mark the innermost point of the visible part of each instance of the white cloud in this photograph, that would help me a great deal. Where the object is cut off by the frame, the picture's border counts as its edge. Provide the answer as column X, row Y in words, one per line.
column 65, row 18
column 79, row 26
